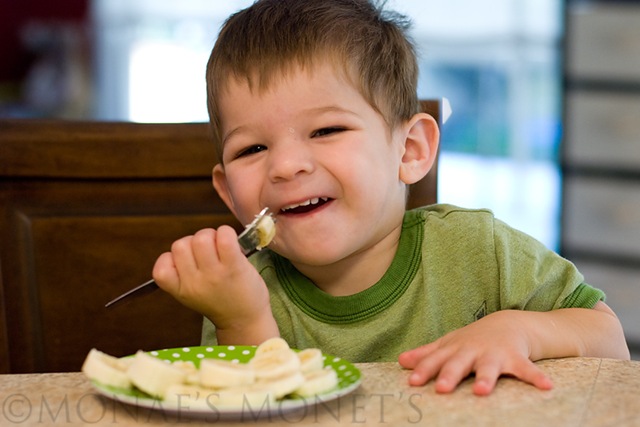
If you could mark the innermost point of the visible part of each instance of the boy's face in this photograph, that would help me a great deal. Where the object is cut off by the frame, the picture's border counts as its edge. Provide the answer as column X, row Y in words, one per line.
column 314, row 151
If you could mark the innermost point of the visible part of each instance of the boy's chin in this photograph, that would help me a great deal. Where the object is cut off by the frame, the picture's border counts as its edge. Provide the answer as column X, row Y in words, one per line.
column 314, row 257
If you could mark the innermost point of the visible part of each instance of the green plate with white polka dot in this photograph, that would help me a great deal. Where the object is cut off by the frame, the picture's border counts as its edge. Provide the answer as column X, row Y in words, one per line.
column 349, row 378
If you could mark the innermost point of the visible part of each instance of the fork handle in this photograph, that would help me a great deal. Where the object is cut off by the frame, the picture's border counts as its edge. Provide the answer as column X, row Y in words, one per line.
column 144, row 289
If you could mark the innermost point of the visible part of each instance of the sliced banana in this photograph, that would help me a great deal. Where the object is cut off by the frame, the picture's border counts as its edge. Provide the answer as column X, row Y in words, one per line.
column 195, row 397
column 271, row 344
column 216, row 373
column 275, row 364
column 284, row 385
column 193, row 373
column 266, row 230
column 318, row 382
column 274, row 372
column 255, row 396
column 154, row 376
column 189, row 396
column 106, row 369
column 187, row 366
column 310, row 360
column 124, row 363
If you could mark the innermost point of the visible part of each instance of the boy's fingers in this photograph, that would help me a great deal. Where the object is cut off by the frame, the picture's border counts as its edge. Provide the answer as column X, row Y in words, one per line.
column 203, row 248
column 227, row 244
column 427, row 368
column 487, row 375
column 486, row 378
column 411, row 358
column 528, row 372
column 182, row 253
column 454, row 371
column 165, row 273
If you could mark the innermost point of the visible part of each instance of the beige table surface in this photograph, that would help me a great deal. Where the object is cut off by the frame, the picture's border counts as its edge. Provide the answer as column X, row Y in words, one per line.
column 587, row 392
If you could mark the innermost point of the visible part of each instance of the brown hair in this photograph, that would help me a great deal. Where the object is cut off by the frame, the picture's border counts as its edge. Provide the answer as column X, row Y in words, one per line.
column 272, row 36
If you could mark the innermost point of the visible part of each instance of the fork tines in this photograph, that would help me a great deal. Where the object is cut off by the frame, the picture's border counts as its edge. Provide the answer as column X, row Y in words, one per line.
column 249, row 239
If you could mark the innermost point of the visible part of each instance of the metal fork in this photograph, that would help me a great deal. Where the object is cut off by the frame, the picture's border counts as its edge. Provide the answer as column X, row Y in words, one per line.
column 249, row 241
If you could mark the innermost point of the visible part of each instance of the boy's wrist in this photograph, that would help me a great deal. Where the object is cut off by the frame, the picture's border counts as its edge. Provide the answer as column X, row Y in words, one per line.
column 252, row 331
column 550, row 334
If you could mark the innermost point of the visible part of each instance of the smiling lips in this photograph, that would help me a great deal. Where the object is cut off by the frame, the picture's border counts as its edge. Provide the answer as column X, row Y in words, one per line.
column 306, row 206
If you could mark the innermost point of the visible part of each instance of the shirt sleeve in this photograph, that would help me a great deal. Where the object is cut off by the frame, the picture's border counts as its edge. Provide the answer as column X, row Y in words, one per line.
column 585, row 296
column 535, row 278
column 208, row 333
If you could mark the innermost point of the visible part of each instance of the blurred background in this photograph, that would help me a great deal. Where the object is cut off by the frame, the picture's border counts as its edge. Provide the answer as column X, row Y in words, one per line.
column 545, row 97
column 497, row 62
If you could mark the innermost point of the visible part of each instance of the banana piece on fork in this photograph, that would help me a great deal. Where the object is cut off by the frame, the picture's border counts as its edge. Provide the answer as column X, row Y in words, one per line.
column 257, row 234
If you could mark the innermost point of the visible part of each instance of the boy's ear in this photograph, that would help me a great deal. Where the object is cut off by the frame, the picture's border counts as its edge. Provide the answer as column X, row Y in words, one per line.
column 422, row 137
column 221, row 186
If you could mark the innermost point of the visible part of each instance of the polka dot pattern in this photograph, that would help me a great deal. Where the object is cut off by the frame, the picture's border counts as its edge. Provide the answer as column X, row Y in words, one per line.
column 348, row 375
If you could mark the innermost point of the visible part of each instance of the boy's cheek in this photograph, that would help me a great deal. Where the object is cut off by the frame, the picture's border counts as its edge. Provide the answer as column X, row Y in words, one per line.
column 225, row 186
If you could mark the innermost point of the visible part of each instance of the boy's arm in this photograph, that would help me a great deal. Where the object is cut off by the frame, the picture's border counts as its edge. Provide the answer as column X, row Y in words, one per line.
column 593, row 332
column 507, row 342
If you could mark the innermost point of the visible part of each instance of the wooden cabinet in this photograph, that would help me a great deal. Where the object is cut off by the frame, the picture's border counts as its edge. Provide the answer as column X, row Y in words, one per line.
column 85, row 211
column 601, row 156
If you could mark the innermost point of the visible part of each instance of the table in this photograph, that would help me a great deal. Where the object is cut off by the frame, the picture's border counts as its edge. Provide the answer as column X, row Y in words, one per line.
column 587, row 392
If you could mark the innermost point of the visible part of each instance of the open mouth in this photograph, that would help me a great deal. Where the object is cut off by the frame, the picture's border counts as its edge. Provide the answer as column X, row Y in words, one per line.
column 306, row 206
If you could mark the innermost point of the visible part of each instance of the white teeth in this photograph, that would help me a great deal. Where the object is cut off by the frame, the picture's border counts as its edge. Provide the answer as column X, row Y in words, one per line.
column 313, row 201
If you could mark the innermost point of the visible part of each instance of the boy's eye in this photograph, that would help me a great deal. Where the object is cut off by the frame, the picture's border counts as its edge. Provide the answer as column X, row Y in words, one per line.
column 327, row 131
column 254, row 149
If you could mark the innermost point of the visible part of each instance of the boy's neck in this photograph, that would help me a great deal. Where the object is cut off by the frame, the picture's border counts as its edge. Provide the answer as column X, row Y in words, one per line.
column 358, row 272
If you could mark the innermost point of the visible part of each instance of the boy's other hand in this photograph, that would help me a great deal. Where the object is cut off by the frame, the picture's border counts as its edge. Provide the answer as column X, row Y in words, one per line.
column 493, row 346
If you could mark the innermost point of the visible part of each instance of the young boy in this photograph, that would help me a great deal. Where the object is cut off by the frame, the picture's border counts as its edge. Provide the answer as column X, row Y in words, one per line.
column 314, row 112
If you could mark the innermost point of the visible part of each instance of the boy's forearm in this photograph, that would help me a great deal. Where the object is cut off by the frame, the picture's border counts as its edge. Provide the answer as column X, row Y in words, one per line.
column 255, row 333
column 569, row 332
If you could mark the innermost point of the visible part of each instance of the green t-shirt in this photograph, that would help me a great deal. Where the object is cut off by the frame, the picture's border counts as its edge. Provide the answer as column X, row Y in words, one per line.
column 452, row 267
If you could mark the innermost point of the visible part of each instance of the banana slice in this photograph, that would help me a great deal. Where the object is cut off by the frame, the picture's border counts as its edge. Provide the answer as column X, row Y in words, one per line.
column 154, row 376
column 284, row 385
column 318, row 382
column 193, row 374
column 266, row 230
column 275, row 364
column 195, row 397
column 189, row 396
column 255, row 396
column 106, row 369
column 216, row 373
column 271, row 344
column 187, row 366
column 310, row 360
column 124, row 363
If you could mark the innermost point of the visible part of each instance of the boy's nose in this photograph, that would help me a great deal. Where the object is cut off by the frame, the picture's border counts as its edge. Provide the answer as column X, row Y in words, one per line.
column 289, row 159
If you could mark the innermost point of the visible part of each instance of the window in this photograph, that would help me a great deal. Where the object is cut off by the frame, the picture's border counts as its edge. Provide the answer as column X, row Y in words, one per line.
column 496, row 61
